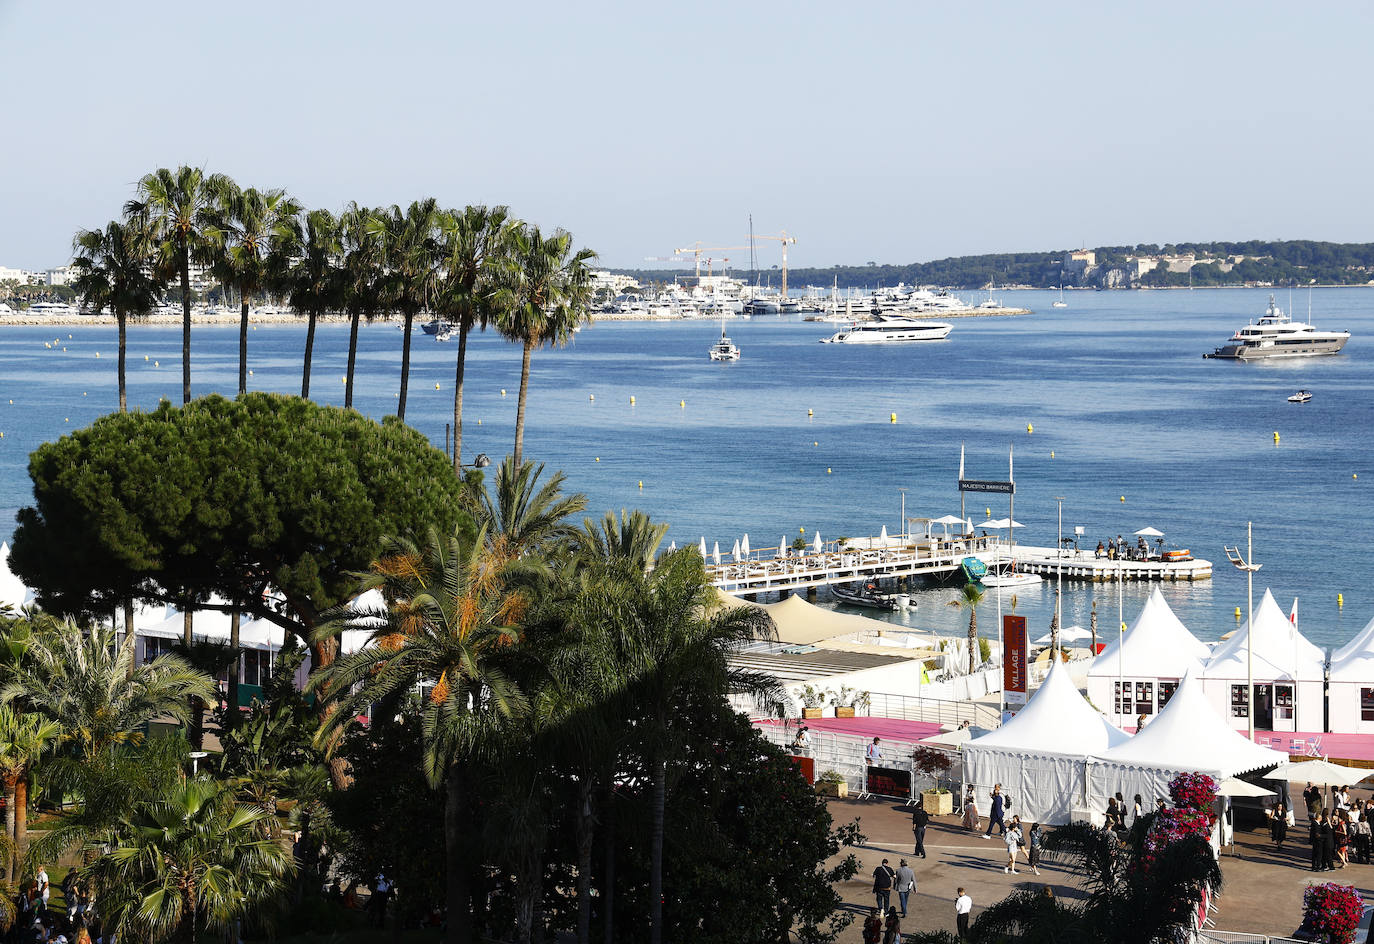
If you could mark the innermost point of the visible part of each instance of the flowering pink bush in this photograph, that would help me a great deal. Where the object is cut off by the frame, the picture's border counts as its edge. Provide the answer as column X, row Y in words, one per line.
column 1193, row 791
column 1332, row 910
column 1194, row 796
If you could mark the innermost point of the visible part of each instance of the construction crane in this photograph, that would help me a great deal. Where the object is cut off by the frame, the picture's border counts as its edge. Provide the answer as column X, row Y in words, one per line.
column 786, row 241
column 697, row 249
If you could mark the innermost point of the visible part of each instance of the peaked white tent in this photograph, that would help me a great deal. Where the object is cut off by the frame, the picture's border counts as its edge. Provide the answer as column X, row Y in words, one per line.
column 1040, row 756
column 1189, row 735
column 1155, row 653
column 1351, row 698
column 1288, row 673
column 13, row 593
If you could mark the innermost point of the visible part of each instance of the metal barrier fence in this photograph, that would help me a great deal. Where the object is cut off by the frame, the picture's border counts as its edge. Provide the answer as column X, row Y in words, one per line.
column 844, row 754
column 937, row 710
column 1208, row 936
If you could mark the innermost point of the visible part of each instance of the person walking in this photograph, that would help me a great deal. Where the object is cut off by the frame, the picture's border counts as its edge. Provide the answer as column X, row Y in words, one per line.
column 381, row 894
column 970, row 818
column 873, row 927
column 996, row 812
column 873, row 754
column 920, row 819
column 906, row 884
column 1138, row 809
column 962, row 906
column 892, row 930
column 1278, row 826
column 1314, row 838
column 882, row 886
column 1341, row 837
column 1012, row 835
column 1328, row 835
column 1033, row 843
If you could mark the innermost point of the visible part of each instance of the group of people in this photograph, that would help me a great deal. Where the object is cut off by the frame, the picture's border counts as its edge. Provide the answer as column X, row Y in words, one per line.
column 1332, row 833
column 35, row 922
column 1120, row 550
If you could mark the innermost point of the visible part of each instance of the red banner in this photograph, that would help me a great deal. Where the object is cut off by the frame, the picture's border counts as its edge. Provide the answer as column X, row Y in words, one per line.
column 1014, row 659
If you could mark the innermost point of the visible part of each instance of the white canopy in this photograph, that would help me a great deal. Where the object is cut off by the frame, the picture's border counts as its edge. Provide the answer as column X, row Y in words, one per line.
column 1281, row 652
column 1354, row 662
column 1150, row 533
column 1069, row 634
column 13, row 593
column 1056, row 720
column 1188, row 734
column 1157, row 645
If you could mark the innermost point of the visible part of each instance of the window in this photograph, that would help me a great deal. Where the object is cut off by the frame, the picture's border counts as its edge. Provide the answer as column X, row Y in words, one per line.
column 1240, row 701
column 257, row 667
column 1367, row 704
column 1166, row 691
column 1145, row 698
column 154, row 646
column 1123, row 707
column 1283, row 702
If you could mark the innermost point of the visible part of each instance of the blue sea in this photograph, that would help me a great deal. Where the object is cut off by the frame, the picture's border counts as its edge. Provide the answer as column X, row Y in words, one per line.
column 1132, row 427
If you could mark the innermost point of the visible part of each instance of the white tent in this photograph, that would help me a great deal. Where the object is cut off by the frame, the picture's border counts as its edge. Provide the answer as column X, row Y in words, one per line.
column 1352, row 685
column 1040, row 756
column 1189, row 735
column 13, row 593
column 1157, row 648
column 1288, row 674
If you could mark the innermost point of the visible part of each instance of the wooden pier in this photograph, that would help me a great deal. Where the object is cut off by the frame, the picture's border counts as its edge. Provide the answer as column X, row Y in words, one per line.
column 766, row 570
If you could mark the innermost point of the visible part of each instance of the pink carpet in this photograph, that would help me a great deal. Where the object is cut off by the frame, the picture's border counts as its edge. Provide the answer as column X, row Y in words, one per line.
column 867, row 728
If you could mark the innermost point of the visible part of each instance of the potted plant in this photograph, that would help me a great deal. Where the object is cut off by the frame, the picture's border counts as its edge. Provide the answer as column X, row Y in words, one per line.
column 934, row 764
column 813, row 701
column 830, row 783
column 844, row 702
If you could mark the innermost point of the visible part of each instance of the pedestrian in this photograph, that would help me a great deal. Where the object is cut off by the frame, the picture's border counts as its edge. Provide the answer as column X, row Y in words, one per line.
column 44, row 887
column 69, row 895
column 906, row 884
column 1328, row 834
column 873, row 754
column 920, row 819
column 1012, row 835
column 801, row 745
column 996, row 812
column 873, row 927
column 381, row 893
column 1312, row 796
column 892, row 930
column 1341, row 836
column 970, row 818
column 1359, row 831
column 1278, row 826
column 1314, row 838
column 962, row 906
column 1138, row 809
column 882, row 886
column 1033, row 843
column 1113, row 815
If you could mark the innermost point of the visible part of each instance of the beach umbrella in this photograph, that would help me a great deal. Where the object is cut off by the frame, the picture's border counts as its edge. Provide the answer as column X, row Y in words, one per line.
column 715, row 553
column 672, row 546
column 735, row 553
column 1149, row 533
column 782, row 547
column 1319, row 771
column 744, row 544
column 948, row 520
column 1235, row 787
column 883, row 536
column 702, row 547
column 816, row 544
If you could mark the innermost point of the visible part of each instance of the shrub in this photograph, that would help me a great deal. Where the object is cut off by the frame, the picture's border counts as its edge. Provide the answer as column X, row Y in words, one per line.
column 1332, row 911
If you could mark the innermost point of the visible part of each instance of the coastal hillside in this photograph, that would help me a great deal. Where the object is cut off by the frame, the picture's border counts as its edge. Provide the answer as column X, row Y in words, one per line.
column 1251, row 262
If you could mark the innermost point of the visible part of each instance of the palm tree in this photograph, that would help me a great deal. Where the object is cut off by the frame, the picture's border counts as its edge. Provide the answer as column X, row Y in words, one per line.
column 970, row 595
column 253, row 228
column 315, row 276
column 189, row 858
column 116, row 271
column 181, row 206
column 410, row 254
column 474, row 243
column 360, row 290
column 545, row 294
column 522, row 516
column 450, row 623
column 86, row 684
column 23, row 740
column 633, row 540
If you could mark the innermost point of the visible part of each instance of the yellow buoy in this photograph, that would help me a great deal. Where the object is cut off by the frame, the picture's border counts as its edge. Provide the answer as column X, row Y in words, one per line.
column 66, row 419
column 632, row 401
column 987, row 512
column 503, row 391
column 1237, row 612
column 682, row 403
column 892, row 417
column 1029, row 429
column 1276, row 437
column 591, row 396
column 479, row 422
column 250, row 373
column 1340, row 599
column 1354, row 475
column 827, row 471
column 1051, row 453
column 1123, row 498
column 2, row 435
column 436, row 386
column 598, row 458
column 69, row 337
column 809, row 413
column 64, row 349
column 815, row 442
column 83, row 393
column 641, row 483
column 97, row 354
column 156, row 364
column 145, row 357
column 343, row 380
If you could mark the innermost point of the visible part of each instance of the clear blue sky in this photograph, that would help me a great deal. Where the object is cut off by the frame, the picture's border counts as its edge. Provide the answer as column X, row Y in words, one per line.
column 893, row 132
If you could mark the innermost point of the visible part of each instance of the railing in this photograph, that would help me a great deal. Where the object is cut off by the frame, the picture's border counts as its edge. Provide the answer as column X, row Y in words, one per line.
column 1208, row 936
column 844, row 754
column 937, row 710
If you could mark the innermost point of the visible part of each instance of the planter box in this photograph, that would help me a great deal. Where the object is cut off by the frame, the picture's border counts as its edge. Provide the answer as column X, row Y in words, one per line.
column 812, row 712
column 938, row 804
column 842, row 712
column 824, row 788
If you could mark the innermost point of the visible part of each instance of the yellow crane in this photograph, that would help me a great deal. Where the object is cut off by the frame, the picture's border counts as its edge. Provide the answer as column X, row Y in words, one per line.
column 786, row 241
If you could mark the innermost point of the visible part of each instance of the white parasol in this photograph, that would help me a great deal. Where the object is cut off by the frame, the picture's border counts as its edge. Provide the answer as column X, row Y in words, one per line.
column 735, row 553
column 715, row 553
column 744, row 544
column 1235, row 787
column 702, row 547
column 1149, row 533
column 1319, row 771
column 782, row 547
column 816, row 545
column 883, row 535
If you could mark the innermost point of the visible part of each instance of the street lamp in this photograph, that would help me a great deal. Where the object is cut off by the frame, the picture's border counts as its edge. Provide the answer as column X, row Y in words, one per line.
column 481, row 462
column 1248, row 565
column 196, row 757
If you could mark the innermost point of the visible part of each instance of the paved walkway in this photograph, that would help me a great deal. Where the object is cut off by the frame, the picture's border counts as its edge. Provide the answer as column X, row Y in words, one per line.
column 1262, row 892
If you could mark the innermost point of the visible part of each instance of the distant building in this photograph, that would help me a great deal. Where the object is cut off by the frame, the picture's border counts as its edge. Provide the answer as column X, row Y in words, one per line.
column 1078, row 263
column 1137, row 266
column 22, row 276
column 615, row 284
column 62, row 275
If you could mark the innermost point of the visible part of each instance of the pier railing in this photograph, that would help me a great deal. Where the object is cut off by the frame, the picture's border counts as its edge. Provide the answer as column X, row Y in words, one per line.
column 936, row 710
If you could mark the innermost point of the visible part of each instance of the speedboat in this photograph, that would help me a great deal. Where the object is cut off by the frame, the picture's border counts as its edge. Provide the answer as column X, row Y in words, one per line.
column 1277, row 335
column 886, row 329
column 866, row 595
column 1011, row 578
column 1302, row 396
column 437, row 326
column 724, row 349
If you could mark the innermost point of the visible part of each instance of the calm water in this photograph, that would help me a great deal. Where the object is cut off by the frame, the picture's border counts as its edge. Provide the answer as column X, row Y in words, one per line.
column 1122, row 404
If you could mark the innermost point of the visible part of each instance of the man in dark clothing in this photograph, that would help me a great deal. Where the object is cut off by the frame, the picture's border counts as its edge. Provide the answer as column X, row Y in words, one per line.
column 920, row 819
column 996, row 814
column 1314, row 837
column 882, row 885
column 1328, row 844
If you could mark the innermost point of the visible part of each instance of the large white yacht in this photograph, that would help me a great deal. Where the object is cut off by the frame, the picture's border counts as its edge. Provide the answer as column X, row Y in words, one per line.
column 886, row 329
column 1277, row 335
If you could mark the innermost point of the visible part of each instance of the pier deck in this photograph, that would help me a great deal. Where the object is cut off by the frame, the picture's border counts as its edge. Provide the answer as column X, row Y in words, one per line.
column 765, row 570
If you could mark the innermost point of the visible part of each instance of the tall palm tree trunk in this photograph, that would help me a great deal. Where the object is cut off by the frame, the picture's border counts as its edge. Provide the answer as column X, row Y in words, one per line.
column 463, row 328
column 233, row 671
column 660, row 776
column 405, row 366
column 130, row 632
column 972, row 637
column 352, row 359
column 520, row 405
column 186, row 325
column 529, row 888
column 456, row 891
column 243, row 344
column 309, row 352
column 21, row 821
column 585, row 831
column 186, row 621
column 121, row 319
column 608, row 869
column 12, row 864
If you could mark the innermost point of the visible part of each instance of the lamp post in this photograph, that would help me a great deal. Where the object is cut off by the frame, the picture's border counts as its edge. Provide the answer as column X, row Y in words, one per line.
column 1058, row 578
column 1247, row 564
column 479, row 462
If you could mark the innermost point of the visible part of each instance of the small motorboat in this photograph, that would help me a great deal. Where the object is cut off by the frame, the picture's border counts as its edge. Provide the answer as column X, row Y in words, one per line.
column 1011, row 578
column 1302, row 396
column 973, row 568
column 870, row 596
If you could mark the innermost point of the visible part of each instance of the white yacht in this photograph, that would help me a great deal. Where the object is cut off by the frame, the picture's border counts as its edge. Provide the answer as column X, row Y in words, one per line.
column 724, row 349
column 887, row 329
column 1277, row 335
column 52, row 309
